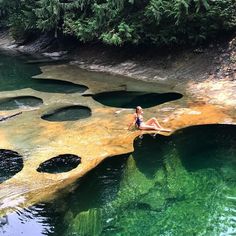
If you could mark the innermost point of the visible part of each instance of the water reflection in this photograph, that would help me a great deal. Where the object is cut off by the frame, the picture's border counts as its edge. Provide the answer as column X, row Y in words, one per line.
column 28, row 222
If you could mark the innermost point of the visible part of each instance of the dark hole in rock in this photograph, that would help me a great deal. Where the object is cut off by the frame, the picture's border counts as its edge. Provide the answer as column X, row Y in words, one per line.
column 20, row 102
column 87, row 95
column 58, row 86
column 60, row 164
column 126, row 99
column 68, row 114
column 10, row 163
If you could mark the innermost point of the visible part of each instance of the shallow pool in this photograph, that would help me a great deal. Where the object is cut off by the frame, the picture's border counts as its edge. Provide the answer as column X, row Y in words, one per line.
column 69, row 113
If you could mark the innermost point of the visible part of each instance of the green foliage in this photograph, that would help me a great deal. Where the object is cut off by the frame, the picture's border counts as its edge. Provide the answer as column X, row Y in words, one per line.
column 49, row 15
column 117, row 22
column 18, row 15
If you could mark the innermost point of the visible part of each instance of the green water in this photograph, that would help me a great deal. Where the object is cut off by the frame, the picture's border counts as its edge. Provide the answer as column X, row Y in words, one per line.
column 131, row 99
column 16, row 74
column 18, row 102
column 179, row 185
column 68, row 114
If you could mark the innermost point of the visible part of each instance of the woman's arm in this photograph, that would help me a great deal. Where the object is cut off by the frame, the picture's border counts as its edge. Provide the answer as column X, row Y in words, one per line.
column 133, row 121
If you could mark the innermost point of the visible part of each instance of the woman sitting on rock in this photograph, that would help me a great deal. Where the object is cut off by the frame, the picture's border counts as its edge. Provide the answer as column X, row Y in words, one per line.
column 151, row 124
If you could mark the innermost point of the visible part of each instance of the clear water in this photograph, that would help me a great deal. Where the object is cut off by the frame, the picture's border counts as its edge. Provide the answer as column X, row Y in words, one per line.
column 57, row 86
column 16, row 74
column 68, row 114
column 129, row 99
column 179, row 185
column 20, row 102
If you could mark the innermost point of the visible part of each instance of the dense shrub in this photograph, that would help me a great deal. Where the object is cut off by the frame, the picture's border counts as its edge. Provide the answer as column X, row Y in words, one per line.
column 118, row 22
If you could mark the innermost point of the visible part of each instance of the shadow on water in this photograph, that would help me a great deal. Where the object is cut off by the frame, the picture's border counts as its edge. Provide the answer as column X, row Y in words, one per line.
column 104, row 181
column 178, row 185
column 69, row 113
column 204, row 148
column 129, row 99
column 149, row 153
column 57, row 86
column 197, row 147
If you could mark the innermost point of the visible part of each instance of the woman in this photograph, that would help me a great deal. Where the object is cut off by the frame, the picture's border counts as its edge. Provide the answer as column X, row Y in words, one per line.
column 151, row 124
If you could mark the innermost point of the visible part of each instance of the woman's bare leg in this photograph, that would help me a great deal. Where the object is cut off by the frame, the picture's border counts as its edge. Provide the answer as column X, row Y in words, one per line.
column 153, row 121
column 149, row 127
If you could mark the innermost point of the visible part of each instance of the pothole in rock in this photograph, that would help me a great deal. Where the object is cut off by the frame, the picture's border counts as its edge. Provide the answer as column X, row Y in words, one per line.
column 69, row 113
column 60, row 164
column 10, row 163
column 126, row 99
column 20, row 102
column 58, row 86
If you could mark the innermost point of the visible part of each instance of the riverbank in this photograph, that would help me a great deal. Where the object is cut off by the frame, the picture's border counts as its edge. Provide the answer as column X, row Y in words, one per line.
column 210, row 70
column 216, row 60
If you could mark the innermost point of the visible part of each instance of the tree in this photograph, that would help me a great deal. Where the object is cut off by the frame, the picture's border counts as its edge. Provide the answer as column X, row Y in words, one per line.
column 118, row 22
column 49, row 15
